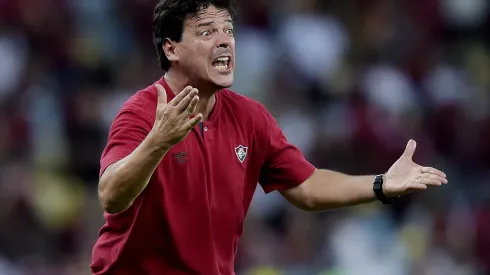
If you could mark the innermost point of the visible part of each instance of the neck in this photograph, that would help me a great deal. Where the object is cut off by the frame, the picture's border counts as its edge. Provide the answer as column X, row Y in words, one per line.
column 207, row 95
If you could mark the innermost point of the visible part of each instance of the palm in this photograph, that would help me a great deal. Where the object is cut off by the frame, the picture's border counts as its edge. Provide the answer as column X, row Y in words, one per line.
column 405, row 175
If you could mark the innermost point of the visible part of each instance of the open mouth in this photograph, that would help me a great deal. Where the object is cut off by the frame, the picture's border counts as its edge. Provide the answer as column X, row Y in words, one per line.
column 222, row 63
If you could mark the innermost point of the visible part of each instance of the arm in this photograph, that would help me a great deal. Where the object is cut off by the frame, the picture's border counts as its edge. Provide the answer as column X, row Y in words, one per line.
column 134, row 151
column 122, row 182
column 286, row 170
column 326, row 189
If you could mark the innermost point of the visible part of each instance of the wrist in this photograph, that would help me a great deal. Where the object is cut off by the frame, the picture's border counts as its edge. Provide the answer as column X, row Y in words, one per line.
column 156, row 142
column 383, row 186
column 380, row 190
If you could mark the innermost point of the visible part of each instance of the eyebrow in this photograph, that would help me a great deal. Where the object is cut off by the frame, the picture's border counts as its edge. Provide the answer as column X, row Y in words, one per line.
column 207, row 24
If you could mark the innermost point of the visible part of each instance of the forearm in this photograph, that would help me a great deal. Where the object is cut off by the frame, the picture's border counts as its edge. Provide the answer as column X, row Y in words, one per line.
column 123, row 181
column 329, row 190
column 325, row 189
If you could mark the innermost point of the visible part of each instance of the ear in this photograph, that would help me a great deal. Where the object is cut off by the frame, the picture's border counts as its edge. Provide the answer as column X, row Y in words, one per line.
column 170, row 50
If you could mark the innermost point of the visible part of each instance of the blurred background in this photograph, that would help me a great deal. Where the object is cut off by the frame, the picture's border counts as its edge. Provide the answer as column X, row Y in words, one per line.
column 349, row 81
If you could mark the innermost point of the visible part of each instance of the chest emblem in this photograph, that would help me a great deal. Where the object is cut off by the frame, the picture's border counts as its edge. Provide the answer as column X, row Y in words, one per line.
column 180, row 157
column 241, row 152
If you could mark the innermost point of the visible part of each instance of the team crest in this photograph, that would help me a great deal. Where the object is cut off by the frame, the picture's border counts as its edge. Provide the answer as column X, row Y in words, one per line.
column 241, row 152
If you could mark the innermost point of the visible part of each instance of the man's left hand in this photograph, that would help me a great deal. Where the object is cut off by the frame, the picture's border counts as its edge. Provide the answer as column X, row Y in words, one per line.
column 405, row 175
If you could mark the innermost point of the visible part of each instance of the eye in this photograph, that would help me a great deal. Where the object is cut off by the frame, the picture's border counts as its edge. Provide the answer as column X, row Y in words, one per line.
column 229, row 31
column 205, row 33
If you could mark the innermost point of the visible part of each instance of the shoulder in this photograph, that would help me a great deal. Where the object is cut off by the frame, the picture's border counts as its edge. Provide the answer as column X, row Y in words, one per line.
column 137, row 111
column 248, row 114
column 143, row 103
column 243, row 106
column 144, row 100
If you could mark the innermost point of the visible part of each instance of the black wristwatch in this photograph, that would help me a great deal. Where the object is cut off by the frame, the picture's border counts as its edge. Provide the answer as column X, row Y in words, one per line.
column 378, row 190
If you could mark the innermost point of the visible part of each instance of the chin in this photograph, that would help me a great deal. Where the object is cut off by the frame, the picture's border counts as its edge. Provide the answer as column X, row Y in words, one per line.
column 223, row 81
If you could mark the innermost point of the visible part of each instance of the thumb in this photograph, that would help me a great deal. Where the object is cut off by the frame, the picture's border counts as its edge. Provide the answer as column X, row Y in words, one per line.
column 410, row 149
column 162, row 94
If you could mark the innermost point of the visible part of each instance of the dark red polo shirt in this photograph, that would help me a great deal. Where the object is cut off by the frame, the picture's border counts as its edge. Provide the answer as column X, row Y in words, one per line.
column 190, row 216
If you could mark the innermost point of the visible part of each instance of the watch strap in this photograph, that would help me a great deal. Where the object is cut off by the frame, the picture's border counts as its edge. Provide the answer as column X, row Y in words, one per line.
column 378, row 191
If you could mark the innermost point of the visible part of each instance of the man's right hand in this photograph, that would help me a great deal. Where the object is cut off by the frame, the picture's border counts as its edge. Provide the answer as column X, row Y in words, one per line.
column 174, row 119
column 123, row 181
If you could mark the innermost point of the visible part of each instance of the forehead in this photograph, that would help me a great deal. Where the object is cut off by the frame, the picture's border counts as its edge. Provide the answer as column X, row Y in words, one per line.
column 208, row 14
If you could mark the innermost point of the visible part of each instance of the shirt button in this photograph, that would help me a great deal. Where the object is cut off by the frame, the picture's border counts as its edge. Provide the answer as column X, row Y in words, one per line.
column 206, row 129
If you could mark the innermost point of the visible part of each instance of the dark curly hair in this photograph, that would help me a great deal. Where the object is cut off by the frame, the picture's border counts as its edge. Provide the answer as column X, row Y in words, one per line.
column 169, row 16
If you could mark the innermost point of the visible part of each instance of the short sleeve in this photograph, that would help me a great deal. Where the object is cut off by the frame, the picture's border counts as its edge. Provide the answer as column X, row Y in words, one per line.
column 285, row 166
column 128, row 130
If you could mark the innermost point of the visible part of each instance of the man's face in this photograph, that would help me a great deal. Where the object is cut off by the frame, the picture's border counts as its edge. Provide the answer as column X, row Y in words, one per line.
column 207, row 49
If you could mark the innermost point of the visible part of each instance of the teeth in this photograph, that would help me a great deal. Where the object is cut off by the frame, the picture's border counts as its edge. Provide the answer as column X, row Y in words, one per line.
column 221, row 63
column 222, row 59
column 221, row 67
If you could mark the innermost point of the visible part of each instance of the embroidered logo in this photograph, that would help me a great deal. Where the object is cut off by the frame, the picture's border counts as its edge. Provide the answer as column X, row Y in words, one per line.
column 241, row 152
column 180, row 157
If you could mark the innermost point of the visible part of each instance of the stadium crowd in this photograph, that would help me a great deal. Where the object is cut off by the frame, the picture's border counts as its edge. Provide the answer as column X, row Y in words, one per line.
column 348, row 81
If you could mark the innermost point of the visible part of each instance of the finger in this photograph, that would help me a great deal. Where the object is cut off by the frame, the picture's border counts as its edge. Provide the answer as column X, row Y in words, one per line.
column 434, row 171
column 162, row 95
column 434, row 177
column 176, row 100
column 414, row 185
column 427, row 181
column 193, row 105
column 410, row 149
column 195, row 120
column 184, row 103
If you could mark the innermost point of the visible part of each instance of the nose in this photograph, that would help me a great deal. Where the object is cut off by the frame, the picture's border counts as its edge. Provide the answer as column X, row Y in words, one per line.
column 224, row 45
column 224, row 41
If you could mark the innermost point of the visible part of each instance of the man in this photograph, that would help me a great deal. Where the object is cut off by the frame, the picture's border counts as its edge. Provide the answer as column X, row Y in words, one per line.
column 184, row 157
